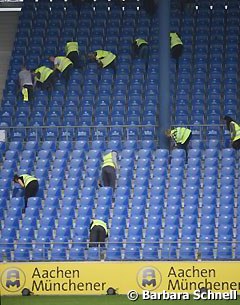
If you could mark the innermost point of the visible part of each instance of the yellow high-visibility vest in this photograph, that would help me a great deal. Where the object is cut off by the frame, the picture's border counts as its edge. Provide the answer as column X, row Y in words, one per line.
column 71, row 47
column 108, row 160
column 180, row 134
column 64, row 63
column 27, row 179
column 236, row 134
column 175, row 40
column 98, row 222
column 45, row 72
column 140, row 41
column 105, row 57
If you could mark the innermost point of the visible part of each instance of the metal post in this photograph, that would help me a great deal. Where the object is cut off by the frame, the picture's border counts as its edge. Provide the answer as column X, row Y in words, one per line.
column 164, row 68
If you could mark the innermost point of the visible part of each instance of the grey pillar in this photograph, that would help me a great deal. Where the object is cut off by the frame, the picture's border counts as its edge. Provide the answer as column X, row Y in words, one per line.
column 164, row 65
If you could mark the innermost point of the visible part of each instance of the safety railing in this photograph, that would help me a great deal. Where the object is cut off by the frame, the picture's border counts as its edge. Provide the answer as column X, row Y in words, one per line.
column 78, row 132
column 203, row 132
column 164, row 251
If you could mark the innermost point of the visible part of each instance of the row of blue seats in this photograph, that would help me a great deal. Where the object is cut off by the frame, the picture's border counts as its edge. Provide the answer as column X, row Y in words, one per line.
column 115, row 254
column 127, row 148
column 65, row 227
column 67, row 214
column 82, row 150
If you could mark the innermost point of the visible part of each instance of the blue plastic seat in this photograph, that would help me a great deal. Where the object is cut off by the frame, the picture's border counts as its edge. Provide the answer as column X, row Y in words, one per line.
column 71, row 192
column 47, row 221
column 65, row 145
column 48, row 145
column 15, row 212
column 173, row 210
column 209, row 181
column 187, row 252
column 11, row 222
column 226, row 200
column 193, row 171
column 226, row 219
column 228, row 162
column 26, row 232
column 210, row 190
column 67, row 211
column 55, row 183
column 139, row 201
column 228, row 153
column 205, row 252
column 154, row 219
column 32, row 211
column 17, row 202
column 224, row 252
column 132, row 253
column 113, row 253
column 157, row 190
column 43, row 163
column 176, row 176
column 130, row 144
column 227, row 190
column 193, row 180
column 39, row 253
column 135, row 230
column 8, row 233
column 21, row 254
column 114, row 145
column 228, row 171
column 169, row 251
column 63, row 231
column 76, row 253
column 58, row 254
column 140, row 190
column 15, row 146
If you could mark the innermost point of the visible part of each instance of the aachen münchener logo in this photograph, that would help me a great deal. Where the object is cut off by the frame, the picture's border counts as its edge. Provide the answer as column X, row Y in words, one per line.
column 13, row 279
column 149, row 278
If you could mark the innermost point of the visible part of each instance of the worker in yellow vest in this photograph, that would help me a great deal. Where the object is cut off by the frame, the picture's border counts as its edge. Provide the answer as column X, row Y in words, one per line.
column 140, row 48
column 234, row 129
column 29, row 183
column 109, row 168
column 176, row 46
column 98, row 233
column 72, row 52
column 63, row 65
column 181, row 136
column 103, row 58
column 44, row 77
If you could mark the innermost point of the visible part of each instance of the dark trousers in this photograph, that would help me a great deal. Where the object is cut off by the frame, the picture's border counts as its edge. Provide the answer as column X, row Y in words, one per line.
column 49, row 82
column 73, row 56
column 31, row 190
column 236, row 144
column 176, row 52
column 109, row 176
column 97, row 236
column 67, row 71
column 143, row 52
column 30, row 92
column 184, row 145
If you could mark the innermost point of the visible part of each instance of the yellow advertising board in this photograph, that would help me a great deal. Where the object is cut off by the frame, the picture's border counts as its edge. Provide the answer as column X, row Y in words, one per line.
column 96, row 277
